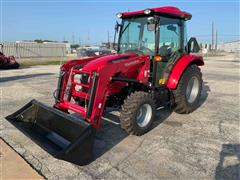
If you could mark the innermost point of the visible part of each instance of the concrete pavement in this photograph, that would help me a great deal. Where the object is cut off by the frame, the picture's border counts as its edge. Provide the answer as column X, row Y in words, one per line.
column 202, row 145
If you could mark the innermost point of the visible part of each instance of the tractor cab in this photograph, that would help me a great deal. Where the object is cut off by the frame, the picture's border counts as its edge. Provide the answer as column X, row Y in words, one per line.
column 160, row 35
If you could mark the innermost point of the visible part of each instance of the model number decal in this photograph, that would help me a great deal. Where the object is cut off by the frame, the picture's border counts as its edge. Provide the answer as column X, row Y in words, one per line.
column 131, row 63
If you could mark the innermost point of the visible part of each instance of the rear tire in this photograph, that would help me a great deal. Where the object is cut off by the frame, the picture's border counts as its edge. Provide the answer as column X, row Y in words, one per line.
column 188, row 92
column 138, row 113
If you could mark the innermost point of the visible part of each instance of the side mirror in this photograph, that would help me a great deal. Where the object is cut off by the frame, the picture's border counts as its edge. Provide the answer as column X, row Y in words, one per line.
column 192, row 45
column 151, row 24
column 117, row 26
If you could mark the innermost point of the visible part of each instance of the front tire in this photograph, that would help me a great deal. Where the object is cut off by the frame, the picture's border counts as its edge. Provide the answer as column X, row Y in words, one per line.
column 138, row 113
column 188, row 92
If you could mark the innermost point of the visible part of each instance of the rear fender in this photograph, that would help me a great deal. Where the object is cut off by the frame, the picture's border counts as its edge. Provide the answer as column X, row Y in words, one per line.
column 180, row 67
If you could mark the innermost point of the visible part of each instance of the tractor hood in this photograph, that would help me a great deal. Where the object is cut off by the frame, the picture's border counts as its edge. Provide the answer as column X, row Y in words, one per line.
column 97, row 63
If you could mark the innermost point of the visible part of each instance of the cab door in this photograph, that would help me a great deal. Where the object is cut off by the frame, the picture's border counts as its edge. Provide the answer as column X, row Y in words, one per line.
column 170, row 47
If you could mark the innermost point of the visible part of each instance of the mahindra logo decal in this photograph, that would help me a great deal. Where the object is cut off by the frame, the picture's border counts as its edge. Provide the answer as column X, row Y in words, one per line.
column 131, row 63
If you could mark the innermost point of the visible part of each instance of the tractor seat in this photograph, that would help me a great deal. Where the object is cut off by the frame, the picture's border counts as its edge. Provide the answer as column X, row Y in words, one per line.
column 165, row 51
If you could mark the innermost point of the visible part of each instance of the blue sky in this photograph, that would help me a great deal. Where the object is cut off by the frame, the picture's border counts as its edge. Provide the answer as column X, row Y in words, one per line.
column 61, row 20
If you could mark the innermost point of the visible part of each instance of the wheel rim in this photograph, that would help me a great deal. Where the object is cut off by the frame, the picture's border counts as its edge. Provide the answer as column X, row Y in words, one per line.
column 192, row 89
column 144, row 115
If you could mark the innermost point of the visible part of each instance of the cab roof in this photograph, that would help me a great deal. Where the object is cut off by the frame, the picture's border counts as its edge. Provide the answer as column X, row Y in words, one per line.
column 166, row 10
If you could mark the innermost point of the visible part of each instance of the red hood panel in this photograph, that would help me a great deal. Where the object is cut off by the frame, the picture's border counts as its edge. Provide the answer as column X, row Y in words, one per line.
column 101, row 61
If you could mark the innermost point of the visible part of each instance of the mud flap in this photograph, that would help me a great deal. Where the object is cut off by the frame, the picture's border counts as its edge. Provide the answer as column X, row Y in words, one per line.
column 64, row 136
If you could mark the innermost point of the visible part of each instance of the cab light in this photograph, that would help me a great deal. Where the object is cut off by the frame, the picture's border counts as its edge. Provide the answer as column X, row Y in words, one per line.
column 119, row 15
column 147, row 11
column 157, row 58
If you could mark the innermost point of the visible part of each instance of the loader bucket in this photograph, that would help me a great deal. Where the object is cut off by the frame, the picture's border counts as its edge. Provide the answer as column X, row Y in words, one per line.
column 62, row 135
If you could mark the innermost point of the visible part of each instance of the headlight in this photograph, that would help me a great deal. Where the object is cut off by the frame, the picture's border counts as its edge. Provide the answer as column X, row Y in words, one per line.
column 147, row 11
column 119, row 15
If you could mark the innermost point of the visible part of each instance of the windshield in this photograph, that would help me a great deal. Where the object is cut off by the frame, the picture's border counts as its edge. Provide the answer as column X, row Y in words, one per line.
column 135, row 36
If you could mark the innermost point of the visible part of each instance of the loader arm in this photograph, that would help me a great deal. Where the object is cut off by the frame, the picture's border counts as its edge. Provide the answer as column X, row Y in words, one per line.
column 101, row 83
column 65, row 72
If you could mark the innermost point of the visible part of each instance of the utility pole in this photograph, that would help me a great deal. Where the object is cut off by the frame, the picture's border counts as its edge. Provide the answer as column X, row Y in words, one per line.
column 88, row 36
column 216, row 45
column 73, row 38
column 79, row 41
column 212, row 36
column 108, row 46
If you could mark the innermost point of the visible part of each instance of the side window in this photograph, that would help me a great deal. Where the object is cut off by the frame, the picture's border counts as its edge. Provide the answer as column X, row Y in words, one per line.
column 169, row 36
column 148, row 39
column 130, row 38
column 185, row 34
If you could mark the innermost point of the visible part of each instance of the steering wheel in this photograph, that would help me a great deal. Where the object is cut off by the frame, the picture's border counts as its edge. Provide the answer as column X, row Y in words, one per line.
column 135, row 51
column 143, row 50
column 147, row 50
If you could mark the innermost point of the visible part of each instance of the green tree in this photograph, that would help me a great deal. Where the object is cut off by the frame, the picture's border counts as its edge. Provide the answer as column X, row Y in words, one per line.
column 74, row 46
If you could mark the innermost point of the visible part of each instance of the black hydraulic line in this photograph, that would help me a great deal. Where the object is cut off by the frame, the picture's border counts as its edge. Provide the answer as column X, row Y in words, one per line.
column 124, row 79
column 92, row 95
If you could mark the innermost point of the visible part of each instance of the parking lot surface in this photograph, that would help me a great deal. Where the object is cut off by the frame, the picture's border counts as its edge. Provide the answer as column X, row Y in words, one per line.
column 202, row 145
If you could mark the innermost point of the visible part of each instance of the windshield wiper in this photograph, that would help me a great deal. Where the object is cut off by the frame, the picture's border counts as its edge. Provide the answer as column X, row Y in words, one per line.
column 125, row 28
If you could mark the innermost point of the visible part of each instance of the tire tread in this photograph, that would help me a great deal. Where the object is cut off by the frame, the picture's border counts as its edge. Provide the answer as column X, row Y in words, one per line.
column 129, row 107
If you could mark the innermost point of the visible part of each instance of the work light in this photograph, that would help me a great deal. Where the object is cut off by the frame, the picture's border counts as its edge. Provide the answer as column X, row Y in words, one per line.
column 119, row 15
column 147, row 11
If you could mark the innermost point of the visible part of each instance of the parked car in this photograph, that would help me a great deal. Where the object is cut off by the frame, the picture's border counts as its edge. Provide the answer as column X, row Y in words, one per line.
column 92, row 52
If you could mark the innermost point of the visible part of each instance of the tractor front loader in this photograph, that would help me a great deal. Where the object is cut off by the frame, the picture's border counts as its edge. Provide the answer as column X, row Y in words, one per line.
column 154, row 67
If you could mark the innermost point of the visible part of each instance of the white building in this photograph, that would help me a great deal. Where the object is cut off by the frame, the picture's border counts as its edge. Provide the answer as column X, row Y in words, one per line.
column 233, row 46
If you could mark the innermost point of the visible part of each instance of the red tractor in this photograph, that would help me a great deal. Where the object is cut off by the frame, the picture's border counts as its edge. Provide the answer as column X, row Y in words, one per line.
column 7, row 62
column 154, row 66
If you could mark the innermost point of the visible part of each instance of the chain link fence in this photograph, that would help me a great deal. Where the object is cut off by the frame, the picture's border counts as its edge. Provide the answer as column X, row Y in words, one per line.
column 34, row 50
